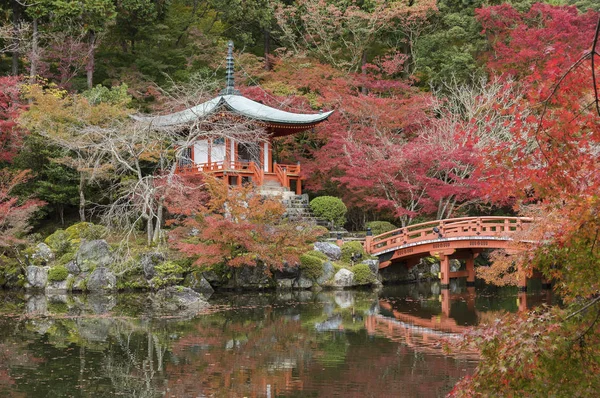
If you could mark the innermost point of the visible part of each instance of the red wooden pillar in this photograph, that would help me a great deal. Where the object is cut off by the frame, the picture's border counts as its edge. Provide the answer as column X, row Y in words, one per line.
column 445, row 298
column 298, row 186
column 445, row 271
column 368, row 240
column 470, row 263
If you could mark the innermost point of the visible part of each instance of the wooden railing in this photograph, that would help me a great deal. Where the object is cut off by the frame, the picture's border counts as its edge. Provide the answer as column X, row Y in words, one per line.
column 248, row 168
column 450, row 228
column 284, row 171
column 258, row 174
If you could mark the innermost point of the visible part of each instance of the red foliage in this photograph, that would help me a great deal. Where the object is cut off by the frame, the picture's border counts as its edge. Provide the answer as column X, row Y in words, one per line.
column 14, row 214
column 11, row 134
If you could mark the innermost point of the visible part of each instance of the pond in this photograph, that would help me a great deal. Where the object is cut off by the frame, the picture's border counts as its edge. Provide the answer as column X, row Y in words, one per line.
column 295, row 344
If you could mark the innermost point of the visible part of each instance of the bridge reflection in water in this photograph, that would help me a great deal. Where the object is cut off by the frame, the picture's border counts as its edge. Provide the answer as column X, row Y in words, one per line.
column 429, row 331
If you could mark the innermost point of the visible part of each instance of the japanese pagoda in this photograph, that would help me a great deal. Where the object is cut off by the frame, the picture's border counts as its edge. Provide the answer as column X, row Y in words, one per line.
column 236, row 162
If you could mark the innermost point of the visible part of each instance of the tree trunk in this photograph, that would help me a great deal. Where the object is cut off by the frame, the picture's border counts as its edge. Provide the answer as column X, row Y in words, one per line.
column 81, row 197
column 34, row 52
column 90, row 64
column 61, row 214
column 15, row 54
column 159, row 219
column 149, row 230
column 267, row 47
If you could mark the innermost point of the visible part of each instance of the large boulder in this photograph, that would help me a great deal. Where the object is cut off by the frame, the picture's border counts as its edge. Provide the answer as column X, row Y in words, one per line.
column 331, row 250
column 302, row 283
column 37, row 277
column 101, row 279
column 286, row 272
column 149, row 261
column 92, row 254
column 198, row 283
column 252, row 278
column 343, row 278
column 328, row 271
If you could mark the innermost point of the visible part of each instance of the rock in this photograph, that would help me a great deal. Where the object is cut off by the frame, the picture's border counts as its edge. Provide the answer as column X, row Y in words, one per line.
column 42, row 253
column 198, row 283
column 328, row 272
column 373, row 266
column 435, row 268
column 37, row 277
column 213, row 278
column 79, row 283
column 73, row 268
column 302, row 283
column 148, row 261
column 58, row 287
column 344, row 299
column 287, row 272
column 331, row 250
column 175, row 298
column 252, row 278
column 101, row 279
column 284, row 284
column 94, row 253
column 343, row 278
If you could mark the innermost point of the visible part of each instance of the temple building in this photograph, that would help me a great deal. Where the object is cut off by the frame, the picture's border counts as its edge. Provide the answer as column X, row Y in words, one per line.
column 240, row 162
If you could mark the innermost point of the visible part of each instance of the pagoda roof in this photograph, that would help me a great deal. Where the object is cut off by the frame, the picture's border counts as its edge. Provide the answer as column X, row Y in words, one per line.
column 236, row 104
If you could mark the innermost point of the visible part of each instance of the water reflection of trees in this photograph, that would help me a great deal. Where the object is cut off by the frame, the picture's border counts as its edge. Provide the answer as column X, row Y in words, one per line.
column 270, row 344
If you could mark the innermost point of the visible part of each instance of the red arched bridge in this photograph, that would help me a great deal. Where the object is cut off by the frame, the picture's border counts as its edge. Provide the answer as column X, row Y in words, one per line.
column 455, row 238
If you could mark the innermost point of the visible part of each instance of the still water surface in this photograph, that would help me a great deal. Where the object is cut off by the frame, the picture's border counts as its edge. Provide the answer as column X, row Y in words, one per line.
column 300, row 344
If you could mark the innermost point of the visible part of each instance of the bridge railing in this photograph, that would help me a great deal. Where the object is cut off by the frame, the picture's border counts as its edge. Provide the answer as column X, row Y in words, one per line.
column 449, row 228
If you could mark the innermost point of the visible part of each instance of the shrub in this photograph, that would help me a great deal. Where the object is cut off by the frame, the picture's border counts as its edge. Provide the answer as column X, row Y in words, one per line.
column 330, row 208
column 362, row 274
column 352, row 248
column 66, row 258
column 318, row 254
column 59, row 242
column 167, row 273
column 58, row 273
column 311, row 266
column 380, row 227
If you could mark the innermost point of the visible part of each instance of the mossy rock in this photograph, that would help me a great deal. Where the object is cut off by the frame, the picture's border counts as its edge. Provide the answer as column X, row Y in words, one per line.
column 57, row 273
column 167, row 274
column 60, row 243
column 85, row 230
column 363, row 275
column 353, row 248
column 311, row 266
column 318, row 254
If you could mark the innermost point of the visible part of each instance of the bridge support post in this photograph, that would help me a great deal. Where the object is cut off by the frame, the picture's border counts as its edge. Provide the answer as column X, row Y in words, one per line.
column 522, row 283
column 445, row 299
column 470, row 264
column 368, row 240
column 445, row 271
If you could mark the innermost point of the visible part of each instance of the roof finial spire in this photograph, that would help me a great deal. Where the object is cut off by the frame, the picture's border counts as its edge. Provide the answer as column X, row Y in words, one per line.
column 230, row 86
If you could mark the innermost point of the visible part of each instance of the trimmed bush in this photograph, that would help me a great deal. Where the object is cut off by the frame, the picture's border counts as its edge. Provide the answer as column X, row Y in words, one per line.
column 380, row 227
column 330, row 208
column 58, row 273
column 363, row 275
column 311, row 266
column 352, row 248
